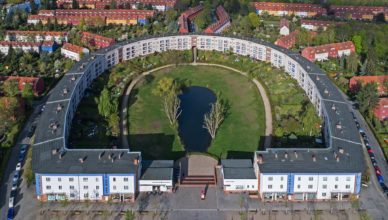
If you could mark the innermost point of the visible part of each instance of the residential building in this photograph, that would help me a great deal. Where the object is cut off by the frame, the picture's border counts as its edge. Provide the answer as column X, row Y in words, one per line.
column 223, row 21
column 284, row 27
column 187, row 17
column 282, row 9
column 73, row 52
column 36, row 82
column 238, row 175
column 382, row 83
column 49, row 46
column 381, row 111
column 36, row 36
column 157, row 176
column 160, row 5
column 92, row 17
column 288, row 41
column 19, row 46
column 95, row 40
column 315, row 25
column 357, row 12
column 326, row 51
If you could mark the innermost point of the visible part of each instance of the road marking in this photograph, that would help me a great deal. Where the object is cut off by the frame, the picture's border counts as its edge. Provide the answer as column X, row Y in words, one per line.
column 62, row 100
column 359, row 143
column 330, row 100
column 43, row 142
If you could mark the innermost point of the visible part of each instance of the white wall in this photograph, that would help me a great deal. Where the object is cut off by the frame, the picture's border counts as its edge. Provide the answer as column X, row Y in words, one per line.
column 277, row 184
column 121, row 184
column 240, row 185
column 147, row 185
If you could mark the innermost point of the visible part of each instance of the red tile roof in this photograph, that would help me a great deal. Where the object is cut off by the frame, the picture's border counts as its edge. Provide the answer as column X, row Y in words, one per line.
column 73, row 48
column 168, row 3
column 44, row 33
column 354, row 86
column 37, row 83
column 19, row 44
column 357, row 12
column 189, row 14
column 97, row 40
column 223, row 19
column 284, row 23
column 381, row 111
column 287, row 41
column 295, row 7
column 332, row 50
column 319, row 23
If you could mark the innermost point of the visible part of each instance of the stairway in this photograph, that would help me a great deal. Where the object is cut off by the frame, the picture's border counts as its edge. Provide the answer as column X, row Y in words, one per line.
column 198, row 180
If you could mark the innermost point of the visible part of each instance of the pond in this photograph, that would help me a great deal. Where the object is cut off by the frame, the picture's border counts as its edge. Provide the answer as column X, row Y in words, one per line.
column 195, row 103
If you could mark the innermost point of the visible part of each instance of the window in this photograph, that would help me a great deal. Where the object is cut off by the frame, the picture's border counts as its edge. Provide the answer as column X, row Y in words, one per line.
column 48, row 179
column 48, row 187
column 323, row 194
column 85, row 179
column 335, row 186
column 270, row 178
column 96, row 179
column 71, row 187
column 299, row 178
column 126, row 187
column 59, row 187
column 114, row 187
column 97, row 195
column 269, row 186
column 72, row 195
column 59, row 179
column 86, row 195
column 347, row 186
column 247, row 186
column 86, row 187
column 281, row 178
column 114, row 179
column 97, row 187
column 325, row 178
column 281, row 186
column 336, row 178
column 348, row 178
column 310, row 186
column 125, row 179
column 324, row 186
column 298, row 186
column 311, row 178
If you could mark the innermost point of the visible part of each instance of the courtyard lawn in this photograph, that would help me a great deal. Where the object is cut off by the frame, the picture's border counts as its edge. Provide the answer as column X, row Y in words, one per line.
column 240, row 134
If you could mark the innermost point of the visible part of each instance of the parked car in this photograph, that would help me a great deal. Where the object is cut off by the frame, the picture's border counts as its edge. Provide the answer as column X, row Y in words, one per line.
column 378, row 172
column 23, row 148
column 14, row 185
column 384, row 187
column 357, row 124
column 10, row 214
column 15, row 177
column 370, row 151
column 371, row 155
column 21, row 158
column 31, row 131
column 18, row 166
column 377, row 168
column 11, row 202
column 368, row 147
column 380, row 178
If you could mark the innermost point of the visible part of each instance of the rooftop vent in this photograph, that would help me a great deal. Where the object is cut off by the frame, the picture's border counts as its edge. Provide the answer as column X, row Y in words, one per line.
column 82, row 159
column 334, row 154
column 101, row 155
column 314, row 157
column 53, row 126
column 121, row 155
column 333, row 107
column 62, row 154
column 136, row 161
column 59, row 108
column 296, row 154
column 286, row 155
column 326, row 91
column 276, row 155
column 55, row 151
column 110, row 156
column 341, row 150
column 65, row 91
column 260, row 159
column 317, row 78
column 73, row 78
column 338, row 125
column 337, row 158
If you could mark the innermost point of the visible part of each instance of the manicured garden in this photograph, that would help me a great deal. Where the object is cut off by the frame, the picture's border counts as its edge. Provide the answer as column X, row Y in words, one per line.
column 239, row 135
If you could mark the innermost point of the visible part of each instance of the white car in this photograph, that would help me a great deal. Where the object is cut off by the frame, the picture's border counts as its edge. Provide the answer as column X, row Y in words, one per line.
column 18, row 166
column 11, row 202
column 14, row 186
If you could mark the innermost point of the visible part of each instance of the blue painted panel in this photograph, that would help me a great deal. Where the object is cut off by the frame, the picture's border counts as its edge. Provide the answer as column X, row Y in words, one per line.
column 290, row 184
column 358, row 183
column 142, row 21
column 105, row 182
column 38, row 184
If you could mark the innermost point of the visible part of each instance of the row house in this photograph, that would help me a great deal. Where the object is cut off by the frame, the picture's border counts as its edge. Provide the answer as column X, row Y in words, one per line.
column 23, row 46
column 223, row 21
column 324, row 52
column 159, row 5
column 73, row 52
column 187, row 17
column 36, row 82
column 96, row 40
column 356, row 82
column 381, row 110
column 315, row 25
column 36, row 36
column 357, row 12
column 288, row 41
column 282, row 9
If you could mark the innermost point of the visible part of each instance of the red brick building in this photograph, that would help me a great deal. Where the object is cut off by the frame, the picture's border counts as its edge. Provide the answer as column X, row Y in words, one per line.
column 282, row 9
column 356, row 81
column 36, row 83
column 96, row 40
column 315, row 25
column 160, row 5
column 357, row 12
column 288, row 41
column 187, row 17
column 326, row 51
column 381, row 111
column 223, row 21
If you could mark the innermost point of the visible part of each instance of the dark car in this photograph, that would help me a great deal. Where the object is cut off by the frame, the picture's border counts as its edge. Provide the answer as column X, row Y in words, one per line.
column 31, row 131
column 357, row 124
column 10, row 214
column 13, row 193
column 21, row 158
column 368, row 147
column 380, row 178
column 23, row 148
column 384, row 187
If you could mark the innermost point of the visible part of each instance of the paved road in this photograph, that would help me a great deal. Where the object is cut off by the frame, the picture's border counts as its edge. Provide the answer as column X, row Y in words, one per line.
column 263, row 94
column 6, row 183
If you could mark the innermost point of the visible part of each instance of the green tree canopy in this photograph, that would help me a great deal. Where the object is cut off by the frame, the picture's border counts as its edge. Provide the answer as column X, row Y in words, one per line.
column 367, row 98
column 28, row 93
column 357, row 40
column 11, row 88
column 105, row 105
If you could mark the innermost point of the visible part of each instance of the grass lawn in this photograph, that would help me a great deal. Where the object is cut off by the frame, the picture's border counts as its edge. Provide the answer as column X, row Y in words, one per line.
column 239, row 135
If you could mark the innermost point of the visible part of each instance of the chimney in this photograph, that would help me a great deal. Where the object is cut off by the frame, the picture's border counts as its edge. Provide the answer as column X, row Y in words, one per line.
column 113, row 159
column 81, row 160
column 286, row 155
column 73, row 78
column 276, row 155
column 101, row 155
column 110, row 156
column 333, row 107
column 55, row 151
column 260, row 159
column 337, row 158
column 61, row 154
column 296, row 154
column 136, row 161
column 338, row 125
column 121, row 154
column 341, row 150
column 314, row 157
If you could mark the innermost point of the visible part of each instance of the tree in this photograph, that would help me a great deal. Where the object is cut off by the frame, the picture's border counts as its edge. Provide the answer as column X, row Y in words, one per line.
column 28, row 93
column 214, row 119
column 11, row 88
column 113, row 123
column 254, row 19
column 105, row 105
column 203, row 19
column 367, row 98
column 357, row 40
column 371, row 62
column 352, row 63
column 129, row 215
column 74, row 4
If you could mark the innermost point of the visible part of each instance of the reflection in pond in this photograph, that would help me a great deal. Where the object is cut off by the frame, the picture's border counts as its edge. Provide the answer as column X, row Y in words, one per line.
column 195, row 103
